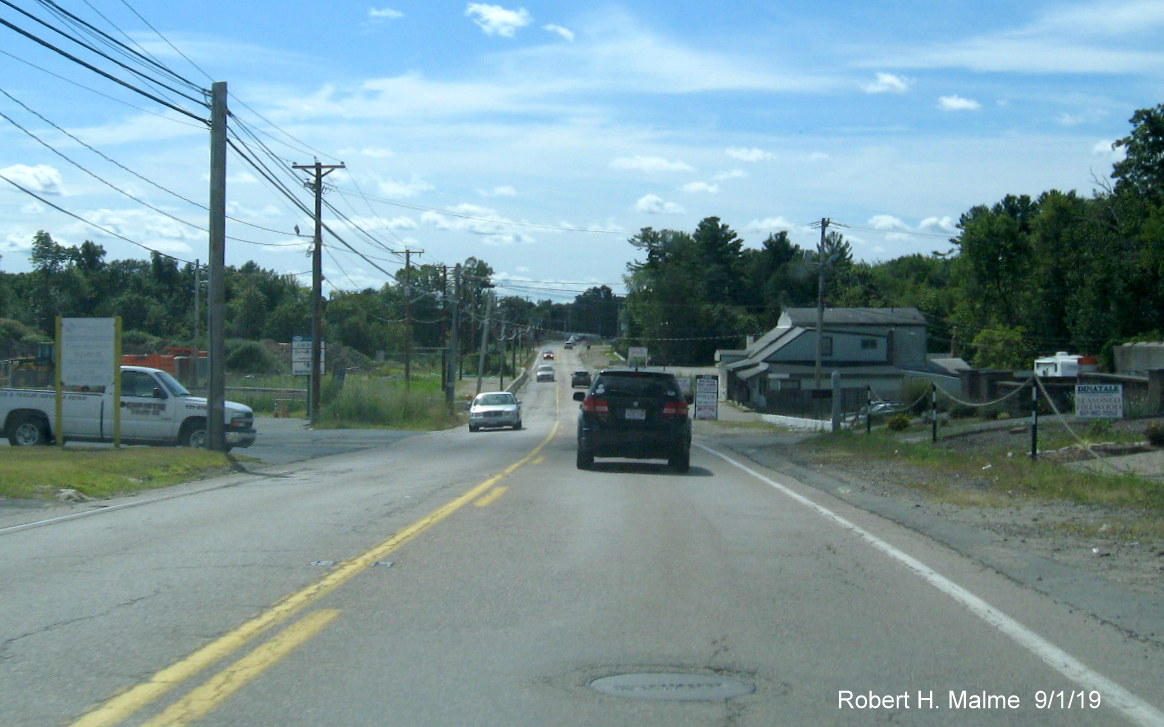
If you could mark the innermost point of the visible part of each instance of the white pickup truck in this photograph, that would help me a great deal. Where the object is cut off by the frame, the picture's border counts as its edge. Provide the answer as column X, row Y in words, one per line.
column 155, row 409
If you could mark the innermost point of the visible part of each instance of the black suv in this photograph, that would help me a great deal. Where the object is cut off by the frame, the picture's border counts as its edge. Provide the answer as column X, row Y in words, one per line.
column 635, row 414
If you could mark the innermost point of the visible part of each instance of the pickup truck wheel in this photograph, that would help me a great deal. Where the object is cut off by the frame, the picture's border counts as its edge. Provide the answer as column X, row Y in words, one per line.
column 194, row 434
column 28, row 431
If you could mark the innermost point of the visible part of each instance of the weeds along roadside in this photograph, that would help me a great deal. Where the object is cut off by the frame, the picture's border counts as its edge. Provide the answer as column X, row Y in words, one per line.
column 994, row 474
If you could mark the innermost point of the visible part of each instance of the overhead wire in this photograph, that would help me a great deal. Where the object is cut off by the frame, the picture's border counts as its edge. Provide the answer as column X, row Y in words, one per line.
column 79, row 61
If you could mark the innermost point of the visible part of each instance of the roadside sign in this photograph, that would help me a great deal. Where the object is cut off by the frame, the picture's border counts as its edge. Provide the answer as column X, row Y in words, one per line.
column 1099, row 401
column 88, row 351
column 707, row 396
column 301, row 355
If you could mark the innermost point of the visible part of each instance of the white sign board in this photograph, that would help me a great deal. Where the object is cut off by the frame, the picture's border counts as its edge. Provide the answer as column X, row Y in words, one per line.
column 707, row 396
column 636, row 353
column 1099, row 401
column 301, row 355
column 88, row 350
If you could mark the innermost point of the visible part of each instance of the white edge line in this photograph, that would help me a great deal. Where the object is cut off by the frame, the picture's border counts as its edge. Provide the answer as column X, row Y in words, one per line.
column 1133, row 707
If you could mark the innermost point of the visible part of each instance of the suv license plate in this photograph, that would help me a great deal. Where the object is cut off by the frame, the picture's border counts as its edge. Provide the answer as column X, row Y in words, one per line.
column 635, row 414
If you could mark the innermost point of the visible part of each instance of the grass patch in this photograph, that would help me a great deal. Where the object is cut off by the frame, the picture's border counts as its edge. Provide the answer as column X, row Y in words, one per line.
column 364, row 402
column 38, row 472
column 993, row 477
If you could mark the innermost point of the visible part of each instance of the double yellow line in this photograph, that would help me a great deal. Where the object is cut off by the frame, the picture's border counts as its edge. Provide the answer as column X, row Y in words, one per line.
column 198, row 702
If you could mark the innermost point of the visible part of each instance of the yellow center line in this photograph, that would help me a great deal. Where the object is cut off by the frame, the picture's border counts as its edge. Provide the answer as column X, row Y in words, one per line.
column 122, row 706
column 217, row 690
column 491, row 497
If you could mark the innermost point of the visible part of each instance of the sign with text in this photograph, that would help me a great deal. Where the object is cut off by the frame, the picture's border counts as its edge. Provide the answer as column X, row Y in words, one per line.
column 1099, row 401
column 88, row 351
column 707, row 396
column 301, row 355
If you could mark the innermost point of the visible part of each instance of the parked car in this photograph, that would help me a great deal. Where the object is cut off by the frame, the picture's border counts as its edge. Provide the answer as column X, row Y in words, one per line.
column 634, row 414
column 545, row 372
column 494, row 409
column 580, row 378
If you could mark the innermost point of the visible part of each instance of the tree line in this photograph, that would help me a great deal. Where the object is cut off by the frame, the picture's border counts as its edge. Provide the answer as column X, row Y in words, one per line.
column 1024, row 276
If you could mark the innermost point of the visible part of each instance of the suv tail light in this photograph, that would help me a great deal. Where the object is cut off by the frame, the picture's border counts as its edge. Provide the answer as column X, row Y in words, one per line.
column 594, row 405
column 675, row 409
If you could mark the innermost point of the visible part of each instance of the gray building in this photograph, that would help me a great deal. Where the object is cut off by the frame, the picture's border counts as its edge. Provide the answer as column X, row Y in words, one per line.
column 878, row 348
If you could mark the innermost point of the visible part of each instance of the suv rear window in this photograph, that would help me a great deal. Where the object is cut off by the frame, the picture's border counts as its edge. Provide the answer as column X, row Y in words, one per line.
column 636, row 385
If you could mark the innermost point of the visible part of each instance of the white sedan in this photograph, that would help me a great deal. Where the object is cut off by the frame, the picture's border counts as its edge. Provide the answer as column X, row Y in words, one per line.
column 494, row 409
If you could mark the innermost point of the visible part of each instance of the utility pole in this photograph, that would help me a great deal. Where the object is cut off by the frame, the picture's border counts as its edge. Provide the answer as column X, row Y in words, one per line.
column 454, row 337
column 820, row 285
column 197, row 326
column 408, row 317
column 320, row 171
column 484, row 340
column 216, row 270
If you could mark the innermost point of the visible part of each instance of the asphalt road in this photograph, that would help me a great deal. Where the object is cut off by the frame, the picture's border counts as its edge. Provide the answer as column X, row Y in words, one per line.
column 454, row 579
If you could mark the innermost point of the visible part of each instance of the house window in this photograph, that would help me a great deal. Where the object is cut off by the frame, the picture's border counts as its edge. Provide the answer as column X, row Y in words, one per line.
column 868, row 344
column 826, row 346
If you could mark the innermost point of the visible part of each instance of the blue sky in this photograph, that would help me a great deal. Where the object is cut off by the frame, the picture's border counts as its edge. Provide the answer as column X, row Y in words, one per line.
column 540, row 136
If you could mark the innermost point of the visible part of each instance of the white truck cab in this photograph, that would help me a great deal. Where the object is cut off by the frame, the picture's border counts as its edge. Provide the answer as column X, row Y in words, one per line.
column 155, row 409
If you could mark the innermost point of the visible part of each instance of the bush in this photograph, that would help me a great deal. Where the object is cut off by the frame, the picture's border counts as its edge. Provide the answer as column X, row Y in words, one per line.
column 898, row 422
column 1155, row 434
column 251, row 357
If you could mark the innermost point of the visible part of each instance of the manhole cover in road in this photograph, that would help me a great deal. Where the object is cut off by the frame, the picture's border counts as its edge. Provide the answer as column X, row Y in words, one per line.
column 673, row 686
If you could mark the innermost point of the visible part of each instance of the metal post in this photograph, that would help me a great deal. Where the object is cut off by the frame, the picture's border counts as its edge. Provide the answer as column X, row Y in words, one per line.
column 1035, row 416
column 934, row 412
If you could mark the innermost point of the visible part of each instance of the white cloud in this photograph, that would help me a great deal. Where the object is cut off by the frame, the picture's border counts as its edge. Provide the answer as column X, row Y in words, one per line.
column 653, row 204
column 887, row 83
column 384, row 14
column 943, row 224
column 747, row 155
column 769, row 225
column 470, row 218
column 41, row 179
column 700, row 187
column 887, row 222
column 501, row 191
column 1088, row 116
column 651, row 164
column 957, row 103
column 729, row 174
column 496, row 20
column 396, row 188
column 1103, row 148
column 565, row 33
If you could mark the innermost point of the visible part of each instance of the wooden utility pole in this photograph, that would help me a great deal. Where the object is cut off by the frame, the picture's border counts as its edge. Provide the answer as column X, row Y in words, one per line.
column 216, row 273
column 820, row 287
column 484, row 340
column 408, row 317
column 454, row 338
column 320, row 171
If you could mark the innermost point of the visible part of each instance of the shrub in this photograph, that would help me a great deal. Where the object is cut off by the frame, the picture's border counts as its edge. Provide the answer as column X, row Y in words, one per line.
column 252, row 357
column 898, row 422
column 1155, row 434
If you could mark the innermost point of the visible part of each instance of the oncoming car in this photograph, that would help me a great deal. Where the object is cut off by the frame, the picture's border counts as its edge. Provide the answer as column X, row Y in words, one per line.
column 545, row 372
column 494, row 409
column 634, row 414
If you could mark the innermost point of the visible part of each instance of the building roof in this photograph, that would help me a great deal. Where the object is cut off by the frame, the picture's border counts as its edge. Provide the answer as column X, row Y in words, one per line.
column 806, row 317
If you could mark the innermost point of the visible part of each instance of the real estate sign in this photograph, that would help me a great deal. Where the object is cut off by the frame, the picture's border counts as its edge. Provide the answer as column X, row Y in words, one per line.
column 1099, row 401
